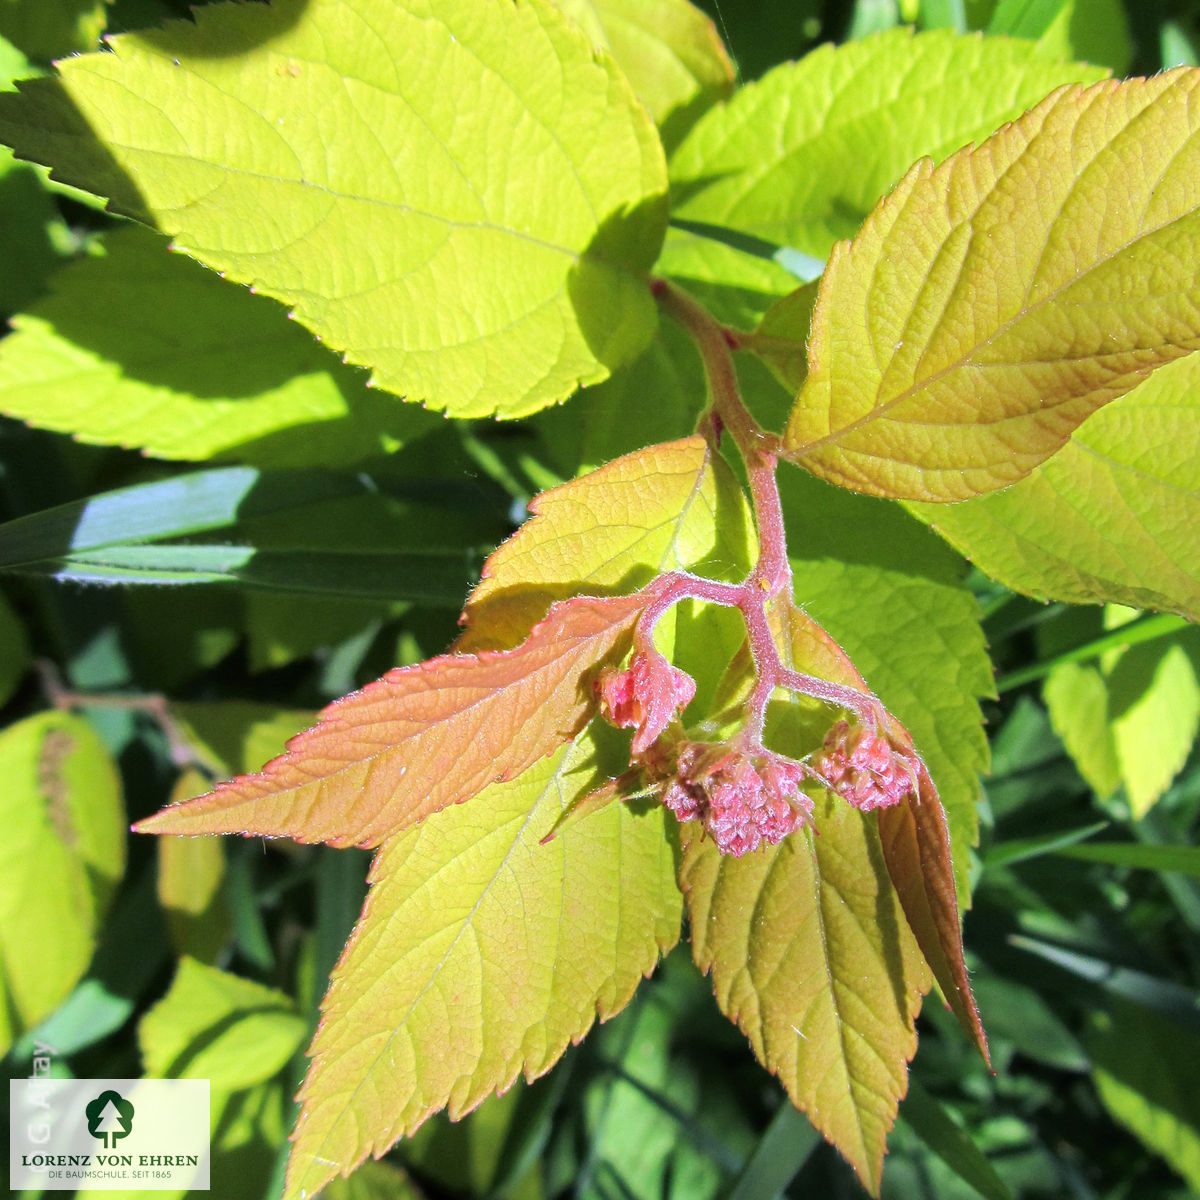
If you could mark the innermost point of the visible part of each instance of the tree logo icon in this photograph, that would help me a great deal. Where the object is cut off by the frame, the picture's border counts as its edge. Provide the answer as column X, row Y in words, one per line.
column 109, row 1118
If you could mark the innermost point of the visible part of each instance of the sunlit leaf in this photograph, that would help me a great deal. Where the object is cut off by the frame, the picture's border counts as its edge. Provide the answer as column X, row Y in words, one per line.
column 800, row 157
column 481, row 954
column 404, row 226
column 217, row 1026
column 1108, row 517
column 1143, row 1068
column 421, row 738
column 658, row 509
column 991, row 304
column 669, row 50
column 812, row 957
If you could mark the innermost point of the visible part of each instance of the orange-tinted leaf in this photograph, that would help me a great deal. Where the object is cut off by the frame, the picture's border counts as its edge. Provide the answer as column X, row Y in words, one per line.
column 661, row 508
column 916, row 848
column 482, row 952
column 421, row 737
column 812, row 959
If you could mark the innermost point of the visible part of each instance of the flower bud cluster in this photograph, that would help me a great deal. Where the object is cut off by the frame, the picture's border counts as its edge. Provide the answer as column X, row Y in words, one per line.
column 864, row 768
column 645, row 697
column 743, row 797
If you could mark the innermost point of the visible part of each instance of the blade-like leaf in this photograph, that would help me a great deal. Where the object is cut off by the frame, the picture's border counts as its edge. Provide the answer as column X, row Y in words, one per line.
column 422, row 737
column 658, row 509
column 143, row 348
column 669, row 50
column 481, row 953
column 407, row 227
column 991, row 304
column 1110, row 516
column 811, row 956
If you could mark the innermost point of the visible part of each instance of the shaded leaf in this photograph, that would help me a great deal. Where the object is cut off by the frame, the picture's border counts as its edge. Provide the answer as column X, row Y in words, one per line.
column 1144, row 1068
column 1096, row 31
column 481, row 953
column 143, row 348
column 190, row 875
column 800, row 157
column 62, row 855
column 384, row 191
column 612, row 530
column 46, row 31
column 422, row 737
column 14, row 650
column 669, row 50
column 921, row 389
column 1110, row 515
column 221, row 1027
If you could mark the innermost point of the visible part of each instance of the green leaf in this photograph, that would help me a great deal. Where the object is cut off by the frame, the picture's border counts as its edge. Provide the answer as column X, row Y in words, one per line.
column 1182, row 859
column 812, row 957
column 1144, row 1069
column 221, row 1027
column 893, row 599
column 668, row 49
column 803, row 155
column 236, row 736
column 1095, row 31
column 1133, row 718
column 1109, row 517
column 984, row 311
column 374, row 1181
column 14, row 650
column 46, row 31
column 62, row 856
column 938, row 1130
column 418, row 241
column 482, row 953
column 142, row 348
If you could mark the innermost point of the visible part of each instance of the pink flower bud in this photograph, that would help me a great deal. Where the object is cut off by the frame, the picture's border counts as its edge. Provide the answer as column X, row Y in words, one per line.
column 743, row 798
column 645, row 697
column 864, row 768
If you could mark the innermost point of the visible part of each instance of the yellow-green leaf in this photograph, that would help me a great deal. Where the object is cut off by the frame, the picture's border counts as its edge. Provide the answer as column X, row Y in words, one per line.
column 61, row 857
column 989, row 305
column 659, row 509
column 669, row 50
column 812, row 957
column 221, row 1027
column 1131, row 718
column 1111, row 516
column 800, row 157
column 460, row 196
column 480, row 954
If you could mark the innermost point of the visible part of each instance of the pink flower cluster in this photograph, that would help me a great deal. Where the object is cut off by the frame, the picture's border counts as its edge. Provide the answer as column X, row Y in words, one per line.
column 743, row 798
column 644, row 697
column 864, row 768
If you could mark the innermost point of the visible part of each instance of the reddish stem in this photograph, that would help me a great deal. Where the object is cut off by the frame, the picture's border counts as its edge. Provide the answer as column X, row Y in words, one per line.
column 772, row 573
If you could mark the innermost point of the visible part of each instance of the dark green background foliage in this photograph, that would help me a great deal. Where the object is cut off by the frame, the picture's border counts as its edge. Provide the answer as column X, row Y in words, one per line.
column 306, row 584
